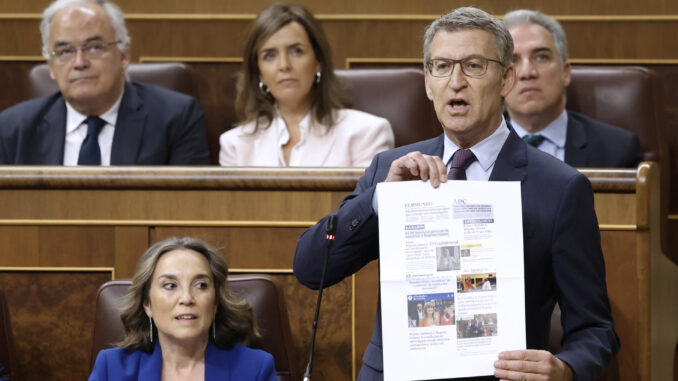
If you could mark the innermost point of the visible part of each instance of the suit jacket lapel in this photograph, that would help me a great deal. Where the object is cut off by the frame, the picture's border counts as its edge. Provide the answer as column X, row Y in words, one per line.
column 150, row 366
column 52, row 134
column 435, row 148
column 511, row 163
column 317, row 137
column 215, row 363
column 129, row 128
column 575, row 154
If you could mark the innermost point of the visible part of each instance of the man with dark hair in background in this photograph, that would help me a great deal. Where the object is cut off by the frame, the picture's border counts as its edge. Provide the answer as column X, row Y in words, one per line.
column 468, row 58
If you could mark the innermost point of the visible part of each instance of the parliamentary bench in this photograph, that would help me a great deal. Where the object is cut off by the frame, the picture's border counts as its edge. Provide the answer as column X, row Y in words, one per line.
column 65, row 231
column 626, row 96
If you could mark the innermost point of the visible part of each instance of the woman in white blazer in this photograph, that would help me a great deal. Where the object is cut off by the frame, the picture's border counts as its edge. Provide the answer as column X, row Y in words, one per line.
column 290, row 104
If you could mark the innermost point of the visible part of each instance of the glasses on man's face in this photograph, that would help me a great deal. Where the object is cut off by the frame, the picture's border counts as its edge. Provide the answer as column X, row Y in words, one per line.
column 90, row 50
column 471, row 66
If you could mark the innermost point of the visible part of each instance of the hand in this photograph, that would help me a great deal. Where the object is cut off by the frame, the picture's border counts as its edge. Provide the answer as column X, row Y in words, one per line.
column 531, row 365
column 416, row 166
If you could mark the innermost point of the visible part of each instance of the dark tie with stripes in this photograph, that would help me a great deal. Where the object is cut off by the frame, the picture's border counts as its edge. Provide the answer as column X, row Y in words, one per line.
column 533, row 140
column 460, row 161
column 90, row 153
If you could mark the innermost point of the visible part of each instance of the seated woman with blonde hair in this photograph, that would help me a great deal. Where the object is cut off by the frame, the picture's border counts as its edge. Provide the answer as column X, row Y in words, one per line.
column 182, row 322
column 289, row 102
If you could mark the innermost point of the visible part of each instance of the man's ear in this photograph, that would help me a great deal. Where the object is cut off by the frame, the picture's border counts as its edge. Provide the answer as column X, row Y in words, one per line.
column 427, row 86
column 51, row 72
column 508, row 80
column 567, row 73
column 125, row 56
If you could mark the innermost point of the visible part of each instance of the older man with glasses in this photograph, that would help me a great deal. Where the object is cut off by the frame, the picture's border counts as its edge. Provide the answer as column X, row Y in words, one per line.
column 468, row 60
column 97, row 117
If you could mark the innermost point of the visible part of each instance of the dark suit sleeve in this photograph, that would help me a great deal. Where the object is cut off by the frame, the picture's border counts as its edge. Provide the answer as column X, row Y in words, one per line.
column 634, row 153
column 357, row 237
column 589, row 339
column 189, row 144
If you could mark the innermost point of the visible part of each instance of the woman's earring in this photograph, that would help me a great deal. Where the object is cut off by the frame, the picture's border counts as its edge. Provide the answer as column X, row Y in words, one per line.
column 317, row 77
column 264, row 89
column 150, row 326
column 214, row 329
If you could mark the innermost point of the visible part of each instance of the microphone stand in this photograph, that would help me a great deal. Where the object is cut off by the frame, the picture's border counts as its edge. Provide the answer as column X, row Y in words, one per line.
column 331, row 230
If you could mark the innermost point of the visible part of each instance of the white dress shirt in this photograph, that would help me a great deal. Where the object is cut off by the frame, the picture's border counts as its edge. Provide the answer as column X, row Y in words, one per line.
column 486, row 152
column 352, row 142
column 76, row 132
column 555, row 135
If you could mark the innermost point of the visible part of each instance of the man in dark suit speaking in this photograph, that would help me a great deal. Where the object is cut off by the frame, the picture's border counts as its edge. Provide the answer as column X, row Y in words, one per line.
column 468, row 60
column 536, row 104
column 97, row 117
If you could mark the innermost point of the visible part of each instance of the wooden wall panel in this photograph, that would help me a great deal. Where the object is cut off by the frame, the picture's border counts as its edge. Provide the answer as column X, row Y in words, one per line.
column 431, row 7
column 623, row 290
column 129, row 243
column 192, row 206
column 57, row 246
column 389, row 38
column 20, row 37
column 259, row 249
column 332, row 355
column 616, row 209
column 19, row 246
column 51, row 314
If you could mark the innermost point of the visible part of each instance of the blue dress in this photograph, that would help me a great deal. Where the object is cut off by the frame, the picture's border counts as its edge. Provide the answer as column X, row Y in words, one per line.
column 237, row 363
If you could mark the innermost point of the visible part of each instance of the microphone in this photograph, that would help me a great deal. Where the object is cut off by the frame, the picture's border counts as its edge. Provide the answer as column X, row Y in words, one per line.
column 330, row 230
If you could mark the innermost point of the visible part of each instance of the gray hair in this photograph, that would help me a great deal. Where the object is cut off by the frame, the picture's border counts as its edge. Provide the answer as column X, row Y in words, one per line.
column 528, row 17
column 112, row 10
column 466, row 18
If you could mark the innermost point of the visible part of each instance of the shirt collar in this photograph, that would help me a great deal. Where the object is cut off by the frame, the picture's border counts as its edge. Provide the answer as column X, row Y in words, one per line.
column 555, row 132
column 74, row 118
column 283, row 133
column 486, row 151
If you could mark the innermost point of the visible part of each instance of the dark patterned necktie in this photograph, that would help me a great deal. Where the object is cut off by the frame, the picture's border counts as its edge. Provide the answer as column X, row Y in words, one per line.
column 460, row 161
column 90, row 153
column 533, row 140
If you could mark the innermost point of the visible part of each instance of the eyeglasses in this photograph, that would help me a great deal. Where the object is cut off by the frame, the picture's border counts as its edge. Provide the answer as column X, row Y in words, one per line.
column 90, row 50
column 471, row 66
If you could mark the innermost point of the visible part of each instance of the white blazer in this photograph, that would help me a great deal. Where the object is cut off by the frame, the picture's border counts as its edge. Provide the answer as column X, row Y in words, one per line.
column 353, row 141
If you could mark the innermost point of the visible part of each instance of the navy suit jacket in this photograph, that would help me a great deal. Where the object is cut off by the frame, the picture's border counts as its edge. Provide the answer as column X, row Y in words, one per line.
column 562, row 252
column 235, row 364
column 155, row 126
column 591, row 143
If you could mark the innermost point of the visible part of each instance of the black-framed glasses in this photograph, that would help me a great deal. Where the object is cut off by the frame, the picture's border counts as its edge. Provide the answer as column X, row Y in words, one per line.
column 471, row 66
column 91, row 50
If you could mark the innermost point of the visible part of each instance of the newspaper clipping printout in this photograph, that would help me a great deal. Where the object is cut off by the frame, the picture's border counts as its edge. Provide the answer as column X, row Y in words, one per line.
column 452, row 280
